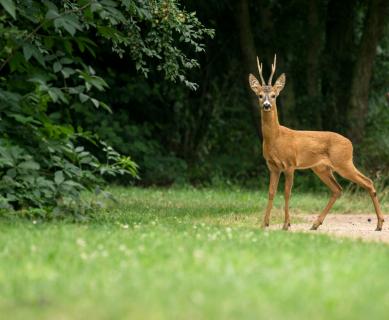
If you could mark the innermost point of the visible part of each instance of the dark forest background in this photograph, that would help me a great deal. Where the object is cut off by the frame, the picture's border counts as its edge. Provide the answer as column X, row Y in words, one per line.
column 159, row 90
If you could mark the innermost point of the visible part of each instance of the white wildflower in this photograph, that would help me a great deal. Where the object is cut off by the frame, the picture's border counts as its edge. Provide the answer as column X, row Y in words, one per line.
column 198, row 254
column 81, row 242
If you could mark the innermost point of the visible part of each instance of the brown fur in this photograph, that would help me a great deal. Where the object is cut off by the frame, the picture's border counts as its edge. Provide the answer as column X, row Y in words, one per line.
column 286, row 150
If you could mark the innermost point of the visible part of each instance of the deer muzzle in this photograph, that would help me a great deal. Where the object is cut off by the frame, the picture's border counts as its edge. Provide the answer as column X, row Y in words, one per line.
column 266, row 105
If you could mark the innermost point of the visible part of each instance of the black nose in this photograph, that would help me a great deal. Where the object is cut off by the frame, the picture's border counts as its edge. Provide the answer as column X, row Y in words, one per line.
column 266, row 105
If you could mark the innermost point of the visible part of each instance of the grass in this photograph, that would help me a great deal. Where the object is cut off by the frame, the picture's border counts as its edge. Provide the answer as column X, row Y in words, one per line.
column 190, row 254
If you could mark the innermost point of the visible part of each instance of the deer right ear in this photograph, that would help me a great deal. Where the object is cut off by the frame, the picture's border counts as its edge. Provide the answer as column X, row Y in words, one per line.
column 254, row 83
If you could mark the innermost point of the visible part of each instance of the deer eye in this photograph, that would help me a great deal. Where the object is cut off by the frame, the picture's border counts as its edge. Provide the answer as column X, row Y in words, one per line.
column 260, row 96
column 273, row 96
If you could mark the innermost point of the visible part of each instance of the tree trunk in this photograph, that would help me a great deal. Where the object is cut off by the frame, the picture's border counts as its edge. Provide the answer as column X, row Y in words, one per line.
column 249, row 58
column 377, row 13
column 338, row 63
column 314, row 49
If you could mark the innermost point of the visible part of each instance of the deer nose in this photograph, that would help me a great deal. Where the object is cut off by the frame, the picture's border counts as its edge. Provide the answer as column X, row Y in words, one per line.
column 266, row 104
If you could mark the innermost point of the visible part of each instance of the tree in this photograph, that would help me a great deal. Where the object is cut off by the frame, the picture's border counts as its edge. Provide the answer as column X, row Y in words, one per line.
column 377, row 12
column 249, row 57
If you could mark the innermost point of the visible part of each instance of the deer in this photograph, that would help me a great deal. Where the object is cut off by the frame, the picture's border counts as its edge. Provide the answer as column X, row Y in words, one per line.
column 286, row 150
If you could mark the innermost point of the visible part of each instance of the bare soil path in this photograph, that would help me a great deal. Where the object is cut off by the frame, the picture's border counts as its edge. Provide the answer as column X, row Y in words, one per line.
column 356, row 226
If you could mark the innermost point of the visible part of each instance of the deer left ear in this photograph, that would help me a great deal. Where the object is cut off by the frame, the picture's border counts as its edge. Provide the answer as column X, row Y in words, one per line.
column 280, row 83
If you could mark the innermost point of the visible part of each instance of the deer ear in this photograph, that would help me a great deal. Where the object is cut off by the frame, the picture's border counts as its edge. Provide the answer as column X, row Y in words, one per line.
column 254, row 83
column 280, row 83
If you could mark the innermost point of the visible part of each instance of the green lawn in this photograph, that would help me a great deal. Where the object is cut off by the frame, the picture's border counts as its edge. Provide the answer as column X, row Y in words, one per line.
column 190, row 254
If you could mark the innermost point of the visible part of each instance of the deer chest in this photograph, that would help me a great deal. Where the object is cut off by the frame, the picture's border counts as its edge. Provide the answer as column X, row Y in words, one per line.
column 278, row 155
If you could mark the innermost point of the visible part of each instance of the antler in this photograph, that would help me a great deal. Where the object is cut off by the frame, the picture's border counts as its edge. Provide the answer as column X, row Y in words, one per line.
column 273, row 69
column 260, row 71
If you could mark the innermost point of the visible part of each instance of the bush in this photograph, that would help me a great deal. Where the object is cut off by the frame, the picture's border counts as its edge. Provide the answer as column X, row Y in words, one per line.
column 43, row 164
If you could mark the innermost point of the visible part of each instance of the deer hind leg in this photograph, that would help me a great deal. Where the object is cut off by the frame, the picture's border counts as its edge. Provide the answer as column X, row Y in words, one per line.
column 289, row 175
column 351, row 173
column 274, row 178
column 325, row 174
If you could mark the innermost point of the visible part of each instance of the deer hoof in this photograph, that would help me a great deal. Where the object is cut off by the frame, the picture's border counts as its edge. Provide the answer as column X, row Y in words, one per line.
column 379, row 225
column 286, row 226
column 314, row 227
column 265, row 225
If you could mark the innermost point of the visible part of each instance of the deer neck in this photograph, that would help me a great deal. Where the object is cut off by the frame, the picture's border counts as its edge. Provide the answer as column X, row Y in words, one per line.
column 270, row 124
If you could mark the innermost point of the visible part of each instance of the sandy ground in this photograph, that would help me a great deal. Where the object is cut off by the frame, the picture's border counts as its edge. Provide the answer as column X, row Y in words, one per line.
column 356, row 226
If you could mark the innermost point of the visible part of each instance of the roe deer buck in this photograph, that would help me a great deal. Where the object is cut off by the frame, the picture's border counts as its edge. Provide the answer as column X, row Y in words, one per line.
column 286, row 150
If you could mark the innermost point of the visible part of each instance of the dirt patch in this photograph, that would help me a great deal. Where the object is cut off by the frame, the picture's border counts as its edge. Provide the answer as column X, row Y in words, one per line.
column 356, row 226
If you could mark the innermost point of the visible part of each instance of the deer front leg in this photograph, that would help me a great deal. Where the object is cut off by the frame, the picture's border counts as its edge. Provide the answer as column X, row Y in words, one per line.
column 289, row 175
column 274, row 178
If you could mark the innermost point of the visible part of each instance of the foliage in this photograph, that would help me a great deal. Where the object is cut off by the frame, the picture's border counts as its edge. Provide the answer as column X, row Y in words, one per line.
column 40, row 163
column 188, row 253
column 157, row 166
column 47, row 73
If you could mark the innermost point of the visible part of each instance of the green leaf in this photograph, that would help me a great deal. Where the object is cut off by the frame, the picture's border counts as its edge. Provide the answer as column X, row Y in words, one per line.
column 96, row 6
column 95, row 102
column 56, row 94
column 105, row 106
column 52, row 14
column 22, row 119
column 30, row 50
column 59, row 177
column 53, row 95
column 83, row 97
column 38, row 56
column 29, row 165
column 27, row 51
column 66, row 60
column 76, row 90
column 74, row 184
column 69, row 22
column 9, row 6
column 11, row 173
column 85, row 43
column 98, row 83
column 67, row 72
column 57, row 66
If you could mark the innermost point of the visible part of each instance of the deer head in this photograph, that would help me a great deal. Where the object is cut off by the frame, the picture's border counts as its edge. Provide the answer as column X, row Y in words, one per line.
column 267, row 94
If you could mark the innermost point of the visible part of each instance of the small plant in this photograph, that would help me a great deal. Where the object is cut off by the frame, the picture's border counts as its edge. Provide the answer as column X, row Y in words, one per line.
column 54, row 179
